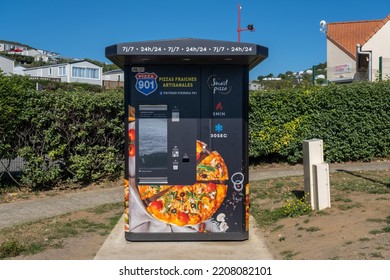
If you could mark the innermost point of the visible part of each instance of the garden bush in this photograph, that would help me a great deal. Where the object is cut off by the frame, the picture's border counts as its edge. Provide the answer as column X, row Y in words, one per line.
column 62, row 135
column 75, row 134
column 353, row 121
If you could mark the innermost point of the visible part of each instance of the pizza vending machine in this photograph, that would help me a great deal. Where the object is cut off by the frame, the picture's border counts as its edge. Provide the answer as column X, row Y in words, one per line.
column 186, row 168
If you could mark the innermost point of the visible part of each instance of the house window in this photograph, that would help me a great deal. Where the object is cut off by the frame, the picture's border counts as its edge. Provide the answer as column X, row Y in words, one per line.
column 50, row 71
column 62, row 71
column 85, row 72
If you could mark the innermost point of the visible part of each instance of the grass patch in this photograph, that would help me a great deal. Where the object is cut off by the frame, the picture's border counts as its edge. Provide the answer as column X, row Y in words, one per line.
column 276, row 189
column 372, row 220
column 288, row 255
column 322, row 213
column 345, row 207
column 266, row 217
column 12, row 248
column 280, row 192
column 372, row 182
column 32, row 238
column 364, row 239
column 382, row 198
column 342, row 199
column 386, row 229
column 104, row 208
column 375, row 231
column 312, row 229
column 278, row 227
column 377, row 255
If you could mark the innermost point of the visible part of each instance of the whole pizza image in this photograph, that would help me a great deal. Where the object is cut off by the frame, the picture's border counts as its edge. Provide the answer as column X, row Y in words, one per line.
column 186, row 174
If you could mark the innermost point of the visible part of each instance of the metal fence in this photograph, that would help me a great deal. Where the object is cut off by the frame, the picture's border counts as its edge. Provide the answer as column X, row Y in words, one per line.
column 12, row 165
column 112, row 84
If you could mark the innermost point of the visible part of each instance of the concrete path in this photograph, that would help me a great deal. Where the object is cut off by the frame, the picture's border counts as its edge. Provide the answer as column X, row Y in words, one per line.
column 260, row 173
column 117, row 248
column 35, row 209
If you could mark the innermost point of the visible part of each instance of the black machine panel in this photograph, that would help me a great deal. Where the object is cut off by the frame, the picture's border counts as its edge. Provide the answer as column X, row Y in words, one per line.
column 167, row 106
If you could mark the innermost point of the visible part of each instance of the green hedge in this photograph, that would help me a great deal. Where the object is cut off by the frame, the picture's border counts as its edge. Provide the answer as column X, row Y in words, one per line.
column 78, row 135
column 353, row 121
column 73, row 135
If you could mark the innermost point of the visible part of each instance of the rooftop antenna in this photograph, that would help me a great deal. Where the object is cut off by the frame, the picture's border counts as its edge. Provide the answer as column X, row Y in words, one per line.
column 323, row 26
column 249, row 27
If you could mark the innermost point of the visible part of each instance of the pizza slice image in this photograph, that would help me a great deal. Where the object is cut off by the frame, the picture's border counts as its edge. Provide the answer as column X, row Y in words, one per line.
column 212, row 168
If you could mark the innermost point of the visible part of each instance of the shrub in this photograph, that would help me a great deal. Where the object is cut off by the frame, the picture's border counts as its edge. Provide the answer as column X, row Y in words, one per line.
column 353, row 121
column 76, row 135
column 73, row 133
column 295, row 207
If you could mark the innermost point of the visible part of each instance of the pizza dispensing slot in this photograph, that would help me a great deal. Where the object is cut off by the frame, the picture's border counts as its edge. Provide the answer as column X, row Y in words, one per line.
column 152, row 180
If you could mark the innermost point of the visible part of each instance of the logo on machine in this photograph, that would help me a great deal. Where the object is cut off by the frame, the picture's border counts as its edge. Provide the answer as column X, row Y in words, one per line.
column 219, row 85
column 219, row 110
column 218, row 132
column 146, row 83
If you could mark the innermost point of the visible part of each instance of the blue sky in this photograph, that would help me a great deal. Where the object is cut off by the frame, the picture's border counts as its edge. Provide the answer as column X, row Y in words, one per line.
column 83, row 28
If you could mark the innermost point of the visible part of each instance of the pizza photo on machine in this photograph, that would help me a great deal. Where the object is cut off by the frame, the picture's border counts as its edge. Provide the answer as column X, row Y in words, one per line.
column 189, row 205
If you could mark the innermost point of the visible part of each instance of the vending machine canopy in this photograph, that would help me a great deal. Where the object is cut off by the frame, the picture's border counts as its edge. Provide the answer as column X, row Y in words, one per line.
column 186, row 51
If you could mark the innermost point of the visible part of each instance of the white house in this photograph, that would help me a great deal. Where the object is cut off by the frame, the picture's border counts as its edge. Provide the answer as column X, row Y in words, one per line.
column 255, row 86
column 78, row 71
column 7, row 65
column 354, row 50
column 19, row 70
column 8, row 46
column 114, row 78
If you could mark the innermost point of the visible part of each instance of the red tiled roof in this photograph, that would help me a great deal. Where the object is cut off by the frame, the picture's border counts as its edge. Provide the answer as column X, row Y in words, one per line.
column 346, row 35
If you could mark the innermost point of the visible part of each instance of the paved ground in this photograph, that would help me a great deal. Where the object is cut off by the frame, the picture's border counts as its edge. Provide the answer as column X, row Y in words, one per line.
column 32, row 210
column 116, row 247
column 260, row 173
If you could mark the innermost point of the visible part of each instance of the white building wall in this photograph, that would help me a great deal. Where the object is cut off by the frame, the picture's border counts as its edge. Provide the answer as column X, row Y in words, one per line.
column 336, row 57
column 68, row 76
column 379, row 45
column 114, row 76
column 19, row 70
column 7, row 65
column 85, row 64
